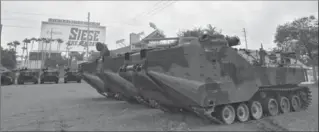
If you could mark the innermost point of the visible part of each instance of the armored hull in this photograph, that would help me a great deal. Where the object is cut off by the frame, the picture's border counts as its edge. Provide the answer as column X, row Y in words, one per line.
column 7, row 79
column 49, row 76
column 72, row 76
column 26, row 75
column 207, row 77
column 88, row 72
column 215, row 81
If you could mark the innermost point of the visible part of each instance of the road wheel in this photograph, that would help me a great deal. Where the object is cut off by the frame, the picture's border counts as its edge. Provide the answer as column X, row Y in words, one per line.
column 295, row 102
column 79, row 81
column 271, row 106
column 227, row 114
column 284, row 104
column 256, row 110
column 242, row 112
column 35, row 82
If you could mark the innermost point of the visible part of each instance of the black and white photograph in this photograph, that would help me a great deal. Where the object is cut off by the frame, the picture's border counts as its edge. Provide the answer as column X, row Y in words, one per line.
column 159, row 65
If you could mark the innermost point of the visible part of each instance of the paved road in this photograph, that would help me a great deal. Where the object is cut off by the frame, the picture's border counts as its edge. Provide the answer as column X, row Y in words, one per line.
column 78, row 107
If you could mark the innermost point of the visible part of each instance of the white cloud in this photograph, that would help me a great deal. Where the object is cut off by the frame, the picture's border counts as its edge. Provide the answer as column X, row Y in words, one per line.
column 260, row 18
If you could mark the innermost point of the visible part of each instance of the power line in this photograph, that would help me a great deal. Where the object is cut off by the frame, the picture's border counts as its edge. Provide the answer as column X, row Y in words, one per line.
column 14, row 26
column 30, row 13
column 157, row 4
column 145, row 13
column 160, row 9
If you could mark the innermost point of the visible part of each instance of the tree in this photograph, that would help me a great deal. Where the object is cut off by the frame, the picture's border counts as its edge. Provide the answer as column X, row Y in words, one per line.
column 300, row 36
column 32, row 42
column 15, row 45
column 60, row 41
column 8, row 58
column 10, row 44
column 197, row 32
column 68, row 47
column 26, row 42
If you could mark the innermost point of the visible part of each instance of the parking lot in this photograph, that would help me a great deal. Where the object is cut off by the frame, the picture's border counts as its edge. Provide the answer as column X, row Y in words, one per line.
column 78, row 107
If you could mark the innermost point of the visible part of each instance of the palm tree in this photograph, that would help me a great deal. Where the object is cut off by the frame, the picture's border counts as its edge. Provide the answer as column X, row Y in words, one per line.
column 67, row 50
column 10, row 45
column 47, row 41
column 15, row 45
column 60, row 41
column 210, row 30
column 42, row 41
column 38, row 40
column 23, row 56
column 33, row 40
column 26, row 42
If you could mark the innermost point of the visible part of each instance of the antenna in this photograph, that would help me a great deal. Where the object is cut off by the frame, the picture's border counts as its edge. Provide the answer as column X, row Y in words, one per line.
column 244, row 30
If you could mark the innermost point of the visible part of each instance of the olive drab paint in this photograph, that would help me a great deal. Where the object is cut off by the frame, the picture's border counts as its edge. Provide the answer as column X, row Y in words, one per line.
column 203, row 75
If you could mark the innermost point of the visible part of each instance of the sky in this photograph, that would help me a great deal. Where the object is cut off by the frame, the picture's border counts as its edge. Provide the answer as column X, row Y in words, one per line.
column 22, row 19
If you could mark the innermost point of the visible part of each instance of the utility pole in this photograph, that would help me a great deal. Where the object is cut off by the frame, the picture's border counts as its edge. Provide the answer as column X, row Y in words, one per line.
column 0, row 62
column 87, row 37
column 50, row 42
column 244, row 30
column 41, row 62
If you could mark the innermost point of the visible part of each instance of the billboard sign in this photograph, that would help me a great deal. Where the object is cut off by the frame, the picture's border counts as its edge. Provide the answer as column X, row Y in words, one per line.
column 72, row 32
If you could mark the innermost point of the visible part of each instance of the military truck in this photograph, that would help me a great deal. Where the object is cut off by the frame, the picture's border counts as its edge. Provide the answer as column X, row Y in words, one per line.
column 71, row 75
column 49, row 75
column 27, row 75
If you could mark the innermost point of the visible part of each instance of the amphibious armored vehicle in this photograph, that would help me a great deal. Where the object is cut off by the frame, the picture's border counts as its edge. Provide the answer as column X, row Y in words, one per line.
column 98, row 70
column 49, row 75
column 71, row 75
column 88, row 73
column 27, row 75
column 210, row 78
column 7, row 78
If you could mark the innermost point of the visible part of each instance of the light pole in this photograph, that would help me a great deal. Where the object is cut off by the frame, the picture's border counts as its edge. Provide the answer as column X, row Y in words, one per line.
column 0, row 59
column 87, row 37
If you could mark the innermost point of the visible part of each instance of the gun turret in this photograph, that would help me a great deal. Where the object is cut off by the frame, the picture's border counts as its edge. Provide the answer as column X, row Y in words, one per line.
column 233, row 41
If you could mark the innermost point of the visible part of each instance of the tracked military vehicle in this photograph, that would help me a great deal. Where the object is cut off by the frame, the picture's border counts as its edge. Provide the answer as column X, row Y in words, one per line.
column 96, row 74
column 71, row 75
column 121, row 88
column 88, row 72
column 210, row 78
column 7, row 78
column 49, row 75
column 27, row 75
